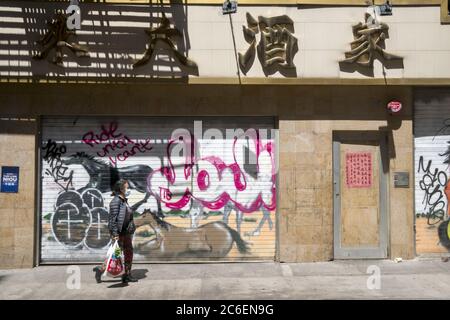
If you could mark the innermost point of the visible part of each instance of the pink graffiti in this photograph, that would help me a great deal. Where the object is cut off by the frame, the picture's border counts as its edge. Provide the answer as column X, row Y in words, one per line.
column 161, row 181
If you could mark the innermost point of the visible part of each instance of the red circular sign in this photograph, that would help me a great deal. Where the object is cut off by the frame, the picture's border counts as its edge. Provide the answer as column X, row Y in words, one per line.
column 394, row 106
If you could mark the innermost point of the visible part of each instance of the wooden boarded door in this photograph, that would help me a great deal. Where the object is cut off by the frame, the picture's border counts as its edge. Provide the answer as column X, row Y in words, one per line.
column 360, row 175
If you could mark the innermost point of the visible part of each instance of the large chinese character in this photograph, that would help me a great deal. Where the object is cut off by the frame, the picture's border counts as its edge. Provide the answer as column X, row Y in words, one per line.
column 369, row 39
column 57, row 37
column 277, row 45
column 164, row 34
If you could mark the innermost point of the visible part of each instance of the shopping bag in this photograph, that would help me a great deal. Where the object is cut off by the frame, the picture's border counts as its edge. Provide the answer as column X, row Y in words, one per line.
column 114, row 262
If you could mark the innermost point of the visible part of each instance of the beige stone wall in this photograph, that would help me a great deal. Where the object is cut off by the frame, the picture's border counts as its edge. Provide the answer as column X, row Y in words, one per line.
column 307, row 117
column 17, row 210
column 306, row 202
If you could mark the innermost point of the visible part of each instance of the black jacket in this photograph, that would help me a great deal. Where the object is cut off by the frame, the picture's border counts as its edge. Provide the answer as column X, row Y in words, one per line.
column 117, row 211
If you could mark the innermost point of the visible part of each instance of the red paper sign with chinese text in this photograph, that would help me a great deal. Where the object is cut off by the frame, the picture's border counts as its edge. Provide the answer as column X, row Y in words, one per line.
column 358, row 170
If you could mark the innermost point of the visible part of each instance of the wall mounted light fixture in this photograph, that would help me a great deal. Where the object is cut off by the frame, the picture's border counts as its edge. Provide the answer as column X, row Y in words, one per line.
column 386, row 9
column 229, row 6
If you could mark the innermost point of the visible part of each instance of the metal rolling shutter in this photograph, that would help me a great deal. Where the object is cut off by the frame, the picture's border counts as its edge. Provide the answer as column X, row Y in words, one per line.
column 82, row 156
column 431, row 139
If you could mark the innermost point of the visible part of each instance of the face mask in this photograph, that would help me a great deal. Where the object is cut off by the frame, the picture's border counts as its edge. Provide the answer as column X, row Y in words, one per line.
column 127, row 193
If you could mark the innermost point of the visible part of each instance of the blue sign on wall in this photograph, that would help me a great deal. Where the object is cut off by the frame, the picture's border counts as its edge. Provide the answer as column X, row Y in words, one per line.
column 10, row 179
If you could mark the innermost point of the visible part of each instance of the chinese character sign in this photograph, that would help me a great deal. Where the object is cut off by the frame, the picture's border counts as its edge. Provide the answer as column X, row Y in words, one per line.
column 10, row 179
column 58, row 37
column 277, row 45
column 358, row 170
column 164, row 34
column 368, row 43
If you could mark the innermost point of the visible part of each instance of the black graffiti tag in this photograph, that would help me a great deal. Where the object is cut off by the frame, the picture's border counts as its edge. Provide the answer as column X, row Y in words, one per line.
column 444, row 129
column 433, row 183
column 58, row 171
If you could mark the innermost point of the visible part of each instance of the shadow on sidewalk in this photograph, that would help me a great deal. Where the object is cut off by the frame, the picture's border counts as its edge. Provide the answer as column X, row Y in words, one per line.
column 118, row 285
column 139, row 273
column 136, row 273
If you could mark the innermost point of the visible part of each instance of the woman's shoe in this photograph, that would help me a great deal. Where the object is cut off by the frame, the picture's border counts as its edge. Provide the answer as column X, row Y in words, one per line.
column 131, row 278
column 128, row 278
column 98, row 274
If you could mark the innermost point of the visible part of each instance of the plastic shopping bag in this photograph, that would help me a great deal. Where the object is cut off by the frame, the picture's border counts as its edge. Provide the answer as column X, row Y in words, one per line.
column 115, row 261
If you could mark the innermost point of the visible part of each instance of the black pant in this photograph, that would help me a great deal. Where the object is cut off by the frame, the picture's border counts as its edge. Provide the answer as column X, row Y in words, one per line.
column 126, row 244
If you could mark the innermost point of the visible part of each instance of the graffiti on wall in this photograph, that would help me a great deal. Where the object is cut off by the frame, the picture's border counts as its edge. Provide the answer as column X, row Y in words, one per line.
column 115, row 141
column 210, row 240
column 215, row 177
column 433, row 192
column 432, row 183
column 56, row 168
column 182, row 206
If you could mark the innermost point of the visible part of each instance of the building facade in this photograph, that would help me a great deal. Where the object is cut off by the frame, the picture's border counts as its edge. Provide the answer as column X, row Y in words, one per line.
column 287, row 131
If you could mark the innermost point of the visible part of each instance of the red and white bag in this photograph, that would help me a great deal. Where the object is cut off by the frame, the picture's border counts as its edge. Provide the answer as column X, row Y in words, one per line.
column 115, row 261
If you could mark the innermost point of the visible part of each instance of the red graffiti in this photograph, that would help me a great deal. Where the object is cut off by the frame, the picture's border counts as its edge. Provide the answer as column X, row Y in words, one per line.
column 118, row 143
column 105, row 134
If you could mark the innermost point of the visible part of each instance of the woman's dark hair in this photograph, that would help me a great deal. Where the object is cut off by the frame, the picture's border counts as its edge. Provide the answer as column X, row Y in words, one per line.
column 118, row 187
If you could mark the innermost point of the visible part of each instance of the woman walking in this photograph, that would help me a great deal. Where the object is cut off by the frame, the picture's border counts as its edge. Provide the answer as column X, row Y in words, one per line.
column 121, row 227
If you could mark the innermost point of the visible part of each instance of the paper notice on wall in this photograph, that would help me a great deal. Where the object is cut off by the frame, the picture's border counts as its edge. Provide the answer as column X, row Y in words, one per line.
column 358, row 169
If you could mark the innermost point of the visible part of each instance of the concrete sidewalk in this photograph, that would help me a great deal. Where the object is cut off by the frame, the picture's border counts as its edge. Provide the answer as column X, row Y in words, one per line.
column 415, row 279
